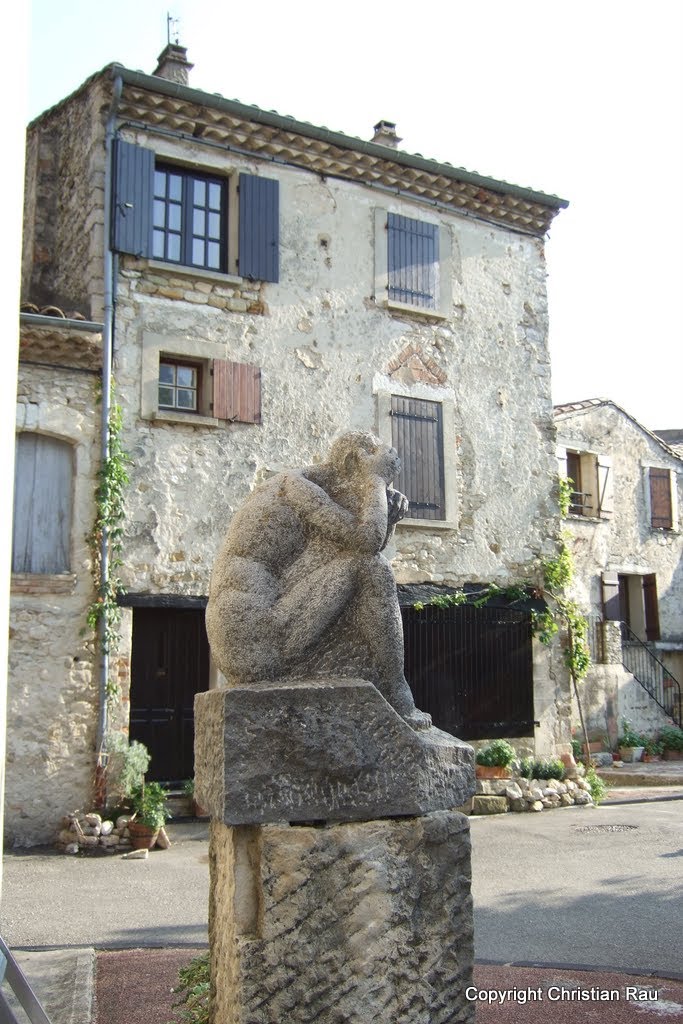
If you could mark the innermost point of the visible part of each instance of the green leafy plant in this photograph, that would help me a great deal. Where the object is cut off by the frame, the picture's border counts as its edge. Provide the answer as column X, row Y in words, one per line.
column 498, row 753
column 654, row 747
column 188, row 788
column 671, row 738
column 148, row 803
column 194, row 985
column 596, row 785
column 629, row 737
column 538, row 768
column 565, row 492
column 104, row 613
column 577, row 749
column 126, row 766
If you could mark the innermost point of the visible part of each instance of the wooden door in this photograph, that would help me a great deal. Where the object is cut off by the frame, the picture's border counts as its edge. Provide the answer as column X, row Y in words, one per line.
column 170, row 664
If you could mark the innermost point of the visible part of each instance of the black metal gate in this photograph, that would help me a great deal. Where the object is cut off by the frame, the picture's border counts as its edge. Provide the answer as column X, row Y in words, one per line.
column 471, row 669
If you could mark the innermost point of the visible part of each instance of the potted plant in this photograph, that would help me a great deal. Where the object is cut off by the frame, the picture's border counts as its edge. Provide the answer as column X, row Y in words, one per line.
column 671, row 739
column 653, row 750
column 197, row 809
column 631, row 743
column 493, row 761
column 148, row 803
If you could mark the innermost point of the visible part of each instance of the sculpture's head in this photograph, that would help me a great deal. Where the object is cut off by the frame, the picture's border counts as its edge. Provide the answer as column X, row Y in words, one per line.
column 361, row 453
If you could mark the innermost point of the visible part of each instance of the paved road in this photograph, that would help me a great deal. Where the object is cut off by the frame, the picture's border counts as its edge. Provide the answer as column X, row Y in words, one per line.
column 575, row 886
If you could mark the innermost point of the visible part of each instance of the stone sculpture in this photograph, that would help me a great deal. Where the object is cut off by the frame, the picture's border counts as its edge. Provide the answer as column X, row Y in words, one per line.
column 300, row 587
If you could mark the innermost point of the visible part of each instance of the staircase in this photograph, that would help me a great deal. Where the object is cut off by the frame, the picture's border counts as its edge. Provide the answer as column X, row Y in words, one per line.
column 653, row 676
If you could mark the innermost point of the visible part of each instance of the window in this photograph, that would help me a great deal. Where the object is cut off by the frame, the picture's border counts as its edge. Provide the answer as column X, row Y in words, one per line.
column 591, row 478
column 186, row 380
column 41, row 541
column 412, row 264
column 180, row 215
column 179, row 386
column 661, row 499
column 417, row 436
column 413, row 261
column 189, row 219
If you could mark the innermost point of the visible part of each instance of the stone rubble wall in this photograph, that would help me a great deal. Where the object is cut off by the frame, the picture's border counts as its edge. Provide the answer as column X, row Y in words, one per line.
column 494, row 796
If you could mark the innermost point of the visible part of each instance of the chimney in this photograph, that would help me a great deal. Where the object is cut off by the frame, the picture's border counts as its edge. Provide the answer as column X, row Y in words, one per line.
column 174, row 65
column 385, row 134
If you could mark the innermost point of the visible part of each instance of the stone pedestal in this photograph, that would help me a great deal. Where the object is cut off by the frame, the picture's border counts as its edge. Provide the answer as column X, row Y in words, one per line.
column 340, row 873
column 342, row 924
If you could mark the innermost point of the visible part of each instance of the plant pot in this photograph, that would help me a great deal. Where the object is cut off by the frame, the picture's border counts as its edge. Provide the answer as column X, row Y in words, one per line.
column 142, row 837
column 631, row 754
column 651, row 757
column 492, row 771
column 673, row 755
column 198, row 811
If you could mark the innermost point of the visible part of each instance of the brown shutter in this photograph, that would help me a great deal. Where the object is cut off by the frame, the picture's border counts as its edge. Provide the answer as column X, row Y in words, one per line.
column 236, row 391
column 660, row 499
column 417, row 436
column 651, row 607
column 610, row 597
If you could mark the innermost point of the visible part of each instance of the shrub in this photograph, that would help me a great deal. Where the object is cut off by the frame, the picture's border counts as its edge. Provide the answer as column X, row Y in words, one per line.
column 193, row 989
column 577, row 749
column 498, row 753
column 534, row 768
column 629, row 737
column 671, row 738
column 596, row 785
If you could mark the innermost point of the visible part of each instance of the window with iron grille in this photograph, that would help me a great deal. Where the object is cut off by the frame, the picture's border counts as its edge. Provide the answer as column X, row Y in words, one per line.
column 413, row 262
column 591, row 480
column 417, row 436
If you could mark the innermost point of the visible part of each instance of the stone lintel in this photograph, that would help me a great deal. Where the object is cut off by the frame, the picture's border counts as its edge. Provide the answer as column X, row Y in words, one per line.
column 320, row 750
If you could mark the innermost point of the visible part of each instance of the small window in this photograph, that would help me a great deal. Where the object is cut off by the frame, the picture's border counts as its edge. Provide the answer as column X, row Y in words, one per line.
column 413, row 262
column 661, row 503
column 417, row 436
column 189, row 219
column 179, row 386
column 43, row 480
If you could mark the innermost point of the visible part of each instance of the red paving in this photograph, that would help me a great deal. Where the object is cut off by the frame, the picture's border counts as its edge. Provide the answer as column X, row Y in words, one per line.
column 133, row 986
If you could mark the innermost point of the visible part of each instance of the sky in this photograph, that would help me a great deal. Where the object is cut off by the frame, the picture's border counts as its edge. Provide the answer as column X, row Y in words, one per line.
column 580, row 99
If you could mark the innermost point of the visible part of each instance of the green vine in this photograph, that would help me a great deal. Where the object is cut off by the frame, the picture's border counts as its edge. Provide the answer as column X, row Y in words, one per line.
column 104, row 613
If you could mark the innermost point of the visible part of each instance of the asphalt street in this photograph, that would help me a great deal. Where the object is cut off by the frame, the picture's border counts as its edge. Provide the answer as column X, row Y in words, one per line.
column 598, row 887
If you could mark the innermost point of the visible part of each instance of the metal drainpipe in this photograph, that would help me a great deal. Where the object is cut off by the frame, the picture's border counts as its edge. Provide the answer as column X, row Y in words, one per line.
column 107, row 354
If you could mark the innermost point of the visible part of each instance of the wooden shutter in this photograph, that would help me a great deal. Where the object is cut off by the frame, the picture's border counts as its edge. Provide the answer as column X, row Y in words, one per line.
column 132, row 199
column 660, row 499
column 413, row 261
column 259, row 228
column 236, row 391
column 651, row 606
column 610, row 597
column 41, row 540
column 417, row 436
column 561, row 453
column 605, row 487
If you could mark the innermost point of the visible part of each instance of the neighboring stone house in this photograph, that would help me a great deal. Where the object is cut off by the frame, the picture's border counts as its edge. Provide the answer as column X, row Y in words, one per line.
column 625, row 523
column 270, row 284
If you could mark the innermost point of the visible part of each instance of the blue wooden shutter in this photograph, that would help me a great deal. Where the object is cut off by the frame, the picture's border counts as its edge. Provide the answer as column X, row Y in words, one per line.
column 417, row 436
column 132, row 199
column 259, row 232
column 413, row 261
column 41, row 541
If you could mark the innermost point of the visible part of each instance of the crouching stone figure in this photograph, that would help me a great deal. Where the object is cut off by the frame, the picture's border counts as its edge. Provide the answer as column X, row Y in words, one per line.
column 300, row 587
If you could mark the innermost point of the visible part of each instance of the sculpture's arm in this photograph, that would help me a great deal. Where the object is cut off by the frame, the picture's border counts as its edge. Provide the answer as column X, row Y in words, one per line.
column 397, row 505
column 323, row 515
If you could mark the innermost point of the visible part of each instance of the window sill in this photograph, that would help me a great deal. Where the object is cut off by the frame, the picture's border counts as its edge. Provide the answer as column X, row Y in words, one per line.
column 401, row 307
column 429, row 524
column 180, row 270
column 192, row 419
column 576, row 518
column 42, row 583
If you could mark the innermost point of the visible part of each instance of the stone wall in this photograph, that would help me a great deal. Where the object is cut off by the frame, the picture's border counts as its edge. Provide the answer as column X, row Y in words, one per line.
column 52, row 683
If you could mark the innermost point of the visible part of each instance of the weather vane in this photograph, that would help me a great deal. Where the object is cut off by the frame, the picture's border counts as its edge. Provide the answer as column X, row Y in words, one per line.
column 172, row 30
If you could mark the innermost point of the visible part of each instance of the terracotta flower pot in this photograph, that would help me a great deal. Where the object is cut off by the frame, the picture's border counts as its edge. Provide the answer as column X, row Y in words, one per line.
column 142, row 837
column 673, row 755
column 491, row 771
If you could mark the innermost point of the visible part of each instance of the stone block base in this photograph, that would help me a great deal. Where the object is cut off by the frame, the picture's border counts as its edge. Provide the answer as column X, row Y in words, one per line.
column 489, row 804
column 342, row 924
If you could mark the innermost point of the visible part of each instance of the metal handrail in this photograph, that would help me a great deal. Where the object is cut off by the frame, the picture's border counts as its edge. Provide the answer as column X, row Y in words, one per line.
column 651, row 673
column 11, row 972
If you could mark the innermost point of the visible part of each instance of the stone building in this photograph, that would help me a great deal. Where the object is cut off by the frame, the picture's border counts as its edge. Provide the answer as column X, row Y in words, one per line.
column 263, row 284
column 625, row 523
